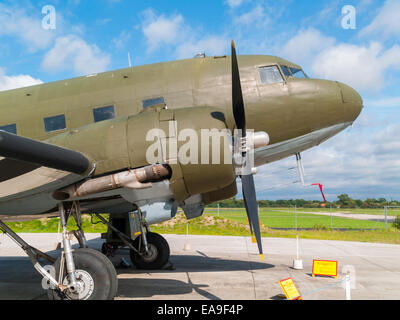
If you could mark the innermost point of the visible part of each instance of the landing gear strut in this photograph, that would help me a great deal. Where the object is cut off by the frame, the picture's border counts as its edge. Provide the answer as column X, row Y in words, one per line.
column 81, row 274
column 148, row 250
column 89, row 274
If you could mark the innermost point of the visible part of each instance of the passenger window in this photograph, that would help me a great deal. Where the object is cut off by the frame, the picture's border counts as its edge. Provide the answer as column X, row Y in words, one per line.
column 11, row 128
column 55, row 123
column 104, row 113
column 271, row 75
column 152, row 102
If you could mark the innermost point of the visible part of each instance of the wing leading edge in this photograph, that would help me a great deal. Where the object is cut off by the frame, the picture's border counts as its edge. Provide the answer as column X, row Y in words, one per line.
column 26, row 154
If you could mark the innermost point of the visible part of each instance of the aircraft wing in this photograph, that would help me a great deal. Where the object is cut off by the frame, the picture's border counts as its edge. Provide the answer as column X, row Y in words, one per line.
column 31, row 170
column 23, row 152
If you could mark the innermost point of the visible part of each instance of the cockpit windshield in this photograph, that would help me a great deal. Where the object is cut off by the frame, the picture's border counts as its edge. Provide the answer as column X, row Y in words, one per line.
column 298, row 73
column 270, row 75
column 286, row 71
column 293, row 72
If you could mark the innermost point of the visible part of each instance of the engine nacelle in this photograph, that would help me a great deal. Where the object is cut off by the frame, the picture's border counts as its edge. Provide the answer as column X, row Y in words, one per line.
column 194, row 142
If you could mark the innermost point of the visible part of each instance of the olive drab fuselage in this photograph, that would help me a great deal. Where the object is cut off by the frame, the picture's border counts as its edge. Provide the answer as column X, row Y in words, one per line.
column 192, row 90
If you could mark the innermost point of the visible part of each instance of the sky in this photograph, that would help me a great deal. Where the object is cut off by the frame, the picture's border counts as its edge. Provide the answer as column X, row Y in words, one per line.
column 94, row 36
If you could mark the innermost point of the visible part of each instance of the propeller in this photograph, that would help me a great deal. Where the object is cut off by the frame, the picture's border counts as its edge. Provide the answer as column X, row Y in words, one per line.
column 248, row 186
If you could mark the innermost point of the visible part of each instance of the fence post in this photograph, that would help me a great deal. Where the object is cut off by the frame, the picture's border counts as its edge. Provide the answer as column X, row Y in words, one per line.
column 386, row 218
column 295, row 216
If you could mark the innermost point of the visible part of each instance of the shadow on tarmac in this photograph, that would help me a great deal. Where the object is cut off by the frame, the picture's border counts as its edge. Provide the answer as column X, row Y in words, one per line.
column 18, row 272
column 147, row 288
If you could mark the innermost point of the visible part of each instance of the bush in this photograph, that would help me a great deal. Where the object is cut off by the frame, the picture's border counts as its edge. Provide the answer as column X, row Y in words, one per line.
column 318, row 227
column 396, row 223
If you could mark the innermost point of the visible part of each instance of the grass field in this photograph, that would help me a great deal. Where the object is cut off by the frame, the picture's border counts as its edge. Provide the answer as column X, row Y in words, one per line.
column 278, row 218
column 236, row 225
column 233, row 222
column 391, row 211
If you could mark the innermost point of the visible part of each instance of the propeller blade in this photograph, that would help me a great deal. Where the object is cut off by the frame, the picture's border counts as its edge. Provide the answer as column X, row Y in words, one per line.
column 253, row 239
column 237, row 95
column 248, row 186
column 249, row 194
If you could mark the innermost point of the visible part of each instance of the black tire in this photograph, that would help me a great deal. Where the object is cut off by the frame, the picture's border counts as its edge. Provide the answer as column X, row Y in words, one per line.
column 159, row 253
column 101, row 270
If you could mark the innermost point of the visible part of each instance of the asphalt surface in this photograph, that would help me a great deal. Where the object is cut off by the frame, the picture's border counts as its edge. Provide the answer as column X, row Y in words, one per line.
column 224, row 268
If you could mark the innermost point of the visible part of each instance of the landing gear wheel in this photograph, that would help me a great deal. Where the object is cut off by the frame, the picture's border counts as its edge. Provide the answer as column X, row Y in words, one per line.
column 104, row 249
column 95, row 274
column 158, row 254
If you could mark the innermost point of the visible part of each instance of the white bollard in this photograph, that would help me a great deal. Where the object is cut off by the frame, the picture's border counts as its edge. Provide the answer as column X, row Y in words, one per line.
column 187, row 246
column 348, row 287
column 298, row 263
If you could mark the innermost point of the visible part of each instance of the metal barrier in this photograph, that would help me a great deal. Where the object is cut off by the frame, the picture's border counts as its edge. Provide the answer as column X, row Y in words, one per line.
column 346, row 281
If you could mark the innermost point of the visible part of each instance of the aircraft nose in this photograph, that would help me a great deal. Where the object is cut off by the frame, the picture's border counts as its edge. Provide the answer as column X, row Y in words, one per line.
column 352, row 101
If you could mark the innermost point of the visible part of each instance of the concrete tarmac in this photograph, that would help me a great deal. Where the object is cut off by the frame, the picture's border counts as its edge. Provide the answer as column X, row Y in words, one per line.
column 224, row 268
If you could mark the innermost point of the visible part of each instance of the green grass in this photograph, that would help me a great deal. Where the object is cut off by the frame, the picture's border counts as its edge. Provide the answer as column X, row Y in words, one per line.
column 391, row 212
column 52, row 225
column 233, row 223
column 214, row 225
column 274, row 219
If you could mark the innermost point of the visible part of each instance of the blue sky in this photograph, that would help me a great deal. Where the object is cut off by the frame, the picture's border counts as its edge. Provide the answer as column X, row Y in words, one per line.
column 94, row 36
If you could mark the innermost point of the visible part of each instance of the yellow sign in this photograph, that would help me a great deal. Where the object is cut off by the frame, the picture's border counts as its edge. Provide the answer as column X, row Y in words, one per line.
column 325, row 268
column 289, row 289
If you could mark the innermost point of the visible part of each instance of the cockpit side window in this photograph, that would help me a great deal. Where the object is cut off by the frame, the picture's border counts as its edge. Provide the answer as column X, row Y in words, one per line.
column 298, row 73
column 270, row 75
column 286, row 71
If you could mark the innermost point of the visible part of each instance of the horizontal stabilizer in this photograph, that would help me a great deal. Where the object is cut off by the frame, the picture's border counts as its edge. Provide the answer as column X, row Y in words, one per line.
column 42, row 154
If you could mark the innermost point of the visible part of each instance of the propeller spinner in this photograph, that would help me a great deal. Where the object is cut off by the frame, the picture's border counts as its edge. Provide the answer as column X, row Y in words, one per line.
column 248, row 186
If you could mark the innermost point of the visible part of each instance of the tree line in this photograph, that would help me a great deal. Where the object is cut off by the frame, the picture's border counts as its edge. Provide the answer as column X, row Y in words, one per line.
column 344, row 201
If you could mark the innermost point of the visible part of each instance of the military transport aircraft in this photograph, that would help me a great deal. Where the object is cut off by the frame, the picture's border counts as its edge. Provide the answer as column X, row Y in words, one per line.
column 79, row 146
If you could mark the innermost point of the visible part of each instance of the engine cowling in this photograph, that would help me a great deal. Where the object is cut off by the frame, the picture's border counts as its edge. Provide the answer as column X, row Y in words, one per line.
column 194, row 142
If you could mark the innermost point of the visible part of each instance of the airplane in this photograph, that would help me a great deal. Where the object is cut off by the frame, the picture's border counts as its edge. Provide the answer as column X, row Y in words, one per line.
column 81, row 146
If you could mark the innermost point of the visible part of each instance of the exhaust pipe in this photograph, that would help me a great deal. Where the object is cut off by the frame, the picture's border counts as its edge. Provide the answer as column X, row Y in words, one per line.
column 131, row 179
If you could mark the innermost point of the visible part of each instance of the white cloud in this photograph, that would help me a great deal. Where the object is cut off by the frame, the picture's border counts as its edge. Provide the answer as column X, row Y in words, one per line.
column 162, row 30
column 212, row 45
column 234, row 3
column 16, row 23
column 305, row 45
column 72, row 51
column 385, row 102
column 173, row 33
column 386, row 23
column 255, row 16
column 362, row 161
column 18, row 81
column 359, row 66
column 121, row 41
